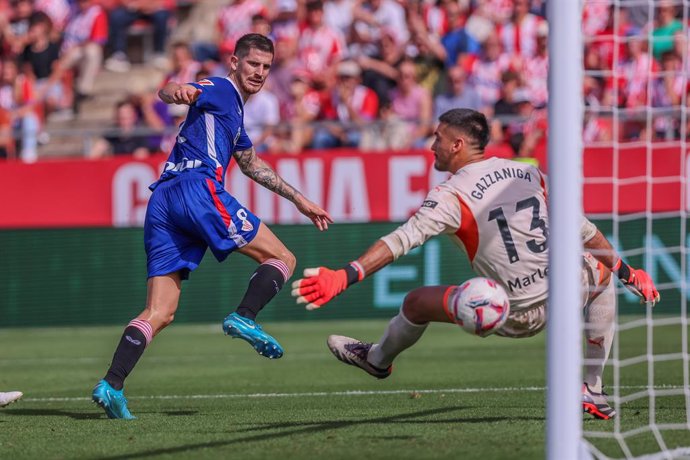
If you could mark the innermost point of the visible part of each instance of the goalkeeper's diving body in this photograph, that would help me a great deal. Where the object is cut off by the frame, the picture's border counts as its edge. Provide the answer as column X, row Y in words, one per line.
column 190, row 211
column 495, row 210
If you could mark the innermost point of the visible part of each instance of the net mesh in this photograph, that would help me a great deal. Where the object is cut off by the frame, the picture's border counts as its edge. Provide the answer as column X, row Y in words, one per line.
column 636, row 85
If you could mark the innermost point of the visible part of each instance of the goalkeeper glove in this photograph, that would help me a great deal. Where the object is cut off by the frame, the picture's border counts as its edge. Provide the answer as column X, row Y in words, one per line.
column 321, row 284
column 637, row 281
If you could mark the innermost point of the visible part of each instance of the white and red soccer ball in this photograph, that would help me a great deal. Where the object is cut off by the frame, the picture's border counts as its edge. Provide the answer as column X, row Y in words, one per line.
column 480, row 306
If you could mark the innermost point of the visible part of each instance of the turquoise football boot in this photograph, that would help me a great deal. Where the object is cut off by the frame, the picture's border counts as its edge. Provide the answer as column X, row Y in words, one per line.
column 111, row 400
column 237, row 326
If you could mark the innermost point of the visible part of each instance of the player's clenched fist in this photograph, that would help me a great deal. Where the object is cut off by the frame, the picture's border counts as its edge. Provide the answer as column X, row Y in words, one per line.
column 173, row 93
column 321, row 284
column 637, row 281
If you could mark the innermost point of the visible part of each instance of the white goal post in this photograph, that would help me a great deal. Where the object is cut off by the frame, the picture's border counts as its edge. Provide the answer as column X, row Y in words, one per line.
column 648, row 371
column 564, row 331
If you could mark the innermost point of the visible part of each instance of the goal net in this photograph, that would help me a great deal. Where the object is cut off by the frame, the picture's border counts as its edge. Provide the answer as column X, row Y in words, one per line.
column 635, row 145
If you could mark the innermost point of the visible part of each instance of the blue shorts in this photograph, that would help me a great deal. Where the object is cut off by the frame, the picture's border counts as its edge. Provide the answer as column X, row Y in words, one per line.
column 188, row 214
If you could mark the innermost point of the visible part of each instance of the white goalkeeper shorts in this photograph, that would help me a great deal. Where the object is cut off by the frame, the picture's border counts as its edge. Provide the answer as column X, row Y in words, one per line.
column 529, row 321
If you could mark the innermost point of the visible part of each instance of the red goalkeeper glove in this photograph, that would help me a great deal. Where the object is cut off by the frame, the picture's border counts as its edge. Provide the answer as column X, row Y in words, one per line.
column 637, row 281
column 321, row 284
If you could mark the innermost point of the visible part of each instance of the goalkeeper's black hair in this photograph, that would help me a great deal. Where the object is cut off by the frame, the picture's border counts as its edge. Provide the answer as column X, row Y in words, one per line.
column 470, row 122
column 249, row 41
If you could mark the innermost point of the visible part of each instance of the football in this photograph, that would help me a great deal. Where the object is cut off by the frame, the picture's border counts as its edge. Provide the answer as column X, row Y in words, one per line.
column 480, row 306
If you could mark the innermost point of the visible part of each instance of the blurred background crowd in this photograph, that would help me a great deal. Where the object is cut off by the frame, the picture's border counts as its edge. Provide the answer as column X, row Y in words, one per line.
column 79, row 77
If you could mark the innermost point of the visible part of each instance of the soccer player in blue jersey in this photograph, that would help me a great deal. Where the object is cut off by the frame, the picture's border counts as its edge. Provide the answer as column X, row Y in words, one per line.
column 190, row 211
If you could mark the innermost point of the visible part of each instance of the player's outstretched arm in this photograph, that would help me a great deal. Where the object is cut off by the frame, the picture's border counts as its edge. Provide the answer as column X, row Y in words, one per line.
column 439, row 214
column 321, row 284
column 261, row 172
column 636, row 280
column 175, row 93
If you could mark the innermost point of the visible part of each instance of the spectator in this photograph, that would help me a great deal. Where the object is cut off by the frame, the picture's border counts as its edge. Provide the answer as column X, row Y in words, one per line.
column 126, row 136
column 380, row 72
column 412, row 104
column 38, row 58
column 261, row 25
column 500, row 11
column 285, row 65
column 388, row 133
column 373, row 16
column 479, row 25
column 7, row 147
column 427, row 52
column 535, row 69
column 485, row 72
column 667, row 25
column 351, row 104
column 17, row 99
column 320, row 47
column 636, row 69
column 668, row 93
column 285, row 26
column 58, row 11
column 16, row 29
column 519, row 35
column 506, row 107
column 458, row 42
column 82, row 47
column 433, row 15
column 338, row 14
column 157, row 12
column 301, row 109
column 606, row 42
column 184, row 67
column 458, row 95
column 235, row 20
column 261, row 118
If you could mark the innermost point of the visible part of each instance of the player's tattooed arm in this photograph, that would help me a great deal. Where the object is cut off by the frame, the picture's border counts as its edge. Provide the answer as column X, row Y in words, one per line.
column 261, row 172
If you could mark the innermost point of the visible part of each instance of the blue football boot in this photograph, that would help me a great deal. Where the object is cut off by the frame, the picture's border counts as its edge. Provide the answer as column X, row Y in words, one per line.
column 237, row 326
column 111, row 400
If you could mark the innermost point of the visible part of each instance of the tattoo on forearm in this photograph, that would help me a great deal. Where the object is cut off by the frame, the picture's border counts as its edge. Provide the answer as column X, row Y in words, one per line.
column 262, row 173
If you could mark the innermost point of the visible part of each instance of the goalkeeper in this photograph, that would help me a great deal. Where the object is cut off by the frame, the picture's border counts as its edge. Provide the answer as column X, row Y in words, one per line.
column 495, row 210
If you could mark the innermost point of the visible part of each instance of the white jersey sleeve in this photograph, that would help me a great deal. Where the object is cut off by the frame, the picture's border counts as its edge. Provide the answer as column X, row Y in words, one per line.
column 587, row 230
column 439, row 214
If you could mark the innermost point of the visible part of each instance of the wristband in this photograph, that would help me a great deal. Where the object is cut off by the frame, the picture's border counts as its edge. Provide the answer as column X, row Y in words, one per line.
column 622, row 270
column 355, row 272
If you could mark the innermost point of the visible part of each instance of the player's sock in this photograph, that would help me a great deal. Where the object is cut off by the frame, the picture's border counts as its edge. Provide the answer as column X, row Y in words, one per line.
column 600, row 318
column 138, row 334
column 264, row 284
column 400, row 334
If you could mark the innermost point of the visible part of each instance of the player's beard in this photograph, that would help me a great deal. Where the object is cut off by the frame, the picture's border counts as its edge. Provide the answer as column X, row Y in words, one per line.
column 250, row 89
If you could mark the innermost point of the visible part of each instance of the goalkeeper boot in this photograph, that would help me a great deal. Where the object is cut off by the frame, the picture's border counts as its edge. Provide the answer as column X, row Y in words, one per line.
column 237, row 326
column 353, row 352
column 9, row 397
column 596, row 404
column 111, row 400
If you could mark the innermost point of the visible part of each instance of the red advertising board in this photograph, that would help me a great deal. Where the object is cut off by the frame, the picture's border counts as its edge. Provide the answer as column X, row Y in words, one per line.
column 353, row 187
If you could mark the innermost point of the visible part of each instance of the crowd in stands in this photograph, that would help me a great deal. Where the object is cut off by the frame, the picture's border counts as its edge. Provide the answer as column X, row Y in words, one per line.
column 367, row 74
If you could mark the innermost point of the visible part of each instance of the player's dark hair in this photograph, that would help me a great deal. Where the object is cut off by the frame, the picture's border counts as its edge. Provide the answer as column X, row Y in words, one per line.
column 249, row 41
column 470, row 122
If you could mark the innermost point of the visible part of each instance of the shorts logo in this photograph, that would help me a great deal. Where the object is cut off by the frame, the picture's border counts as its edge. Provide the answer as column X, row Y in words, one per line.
column 246, row 225
column 429, row 204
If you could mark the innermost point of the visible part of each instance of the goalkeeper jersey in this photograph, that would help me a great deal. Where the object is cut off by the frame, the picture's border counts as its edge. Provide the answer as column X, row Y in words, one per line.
column 495, row 210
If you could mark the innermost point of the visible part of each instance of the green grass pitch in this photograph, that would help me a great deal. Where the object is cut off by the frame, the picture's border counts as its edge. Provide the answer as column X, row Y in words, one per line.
column 199, row 394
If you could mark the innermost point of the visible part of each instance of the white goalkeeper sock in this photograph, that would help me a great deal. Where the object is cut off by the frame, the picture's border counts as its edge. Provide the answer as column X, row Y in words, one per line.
column 400, row 335
column 600, row 319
